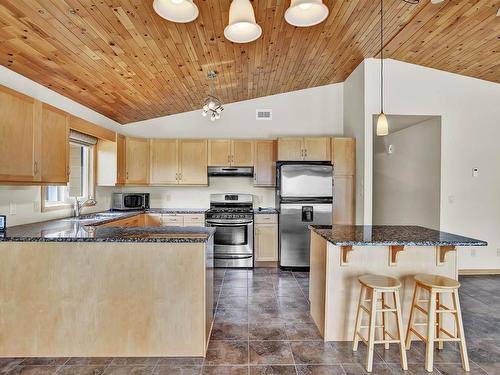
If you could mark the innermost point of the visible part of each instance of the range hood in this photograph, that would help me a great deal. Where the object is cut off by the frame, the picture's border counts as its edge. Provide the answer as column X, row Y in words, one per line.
column 230, row 171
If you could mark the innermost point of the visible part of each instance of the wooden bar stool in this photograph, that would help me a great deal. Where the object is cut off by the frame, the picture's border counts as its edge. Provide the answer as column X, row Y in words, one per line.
column 373, row 286
column 436, row 286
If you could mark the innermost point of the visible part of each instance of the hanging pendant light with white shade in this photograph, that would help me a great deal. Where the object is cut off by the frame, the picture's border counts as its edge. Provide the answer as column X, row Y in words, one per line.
column 181, row 11
column 305, row 13
column 382, row 124
column 242, row 26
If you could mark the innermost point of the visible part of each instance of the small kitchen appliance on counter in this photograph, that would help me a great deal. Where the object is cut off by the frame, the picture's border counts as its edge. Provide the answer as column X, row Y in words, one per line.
column 232, row 216
column 304, row 196
column 130, row 201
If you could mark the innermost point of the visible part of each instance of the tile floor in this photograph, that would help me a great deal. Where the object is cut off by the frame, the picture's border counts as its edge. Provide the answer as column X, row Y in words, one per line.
column 262, row 326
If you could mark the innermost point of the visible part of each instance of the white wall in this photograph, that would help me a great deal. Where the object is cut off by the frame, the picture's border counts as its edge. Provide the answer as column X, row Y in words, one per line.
column 406, row 180
column 315, row 111
column 470, row 125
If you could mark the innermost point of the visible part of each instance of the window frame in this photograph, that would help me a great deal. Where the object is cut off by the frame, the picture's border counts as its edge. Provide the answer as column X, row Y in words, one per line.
column 44, row 207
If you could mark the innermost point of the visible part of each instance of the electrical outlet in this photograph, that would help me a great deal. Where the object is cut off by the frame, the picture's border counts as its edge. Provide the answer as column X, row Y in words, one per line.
column 36, row 206
column 472, row 252
column 12, row 208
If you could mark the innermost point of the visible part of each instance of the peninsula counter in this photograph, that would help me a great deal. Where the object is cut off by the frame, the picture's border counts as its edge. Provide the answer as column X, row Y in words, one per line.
column 341, row 253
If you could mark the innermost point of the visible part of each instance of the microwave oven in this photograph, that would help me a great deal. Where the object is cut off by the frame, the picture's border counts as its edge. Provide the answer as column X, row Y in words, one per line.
column 130, row 201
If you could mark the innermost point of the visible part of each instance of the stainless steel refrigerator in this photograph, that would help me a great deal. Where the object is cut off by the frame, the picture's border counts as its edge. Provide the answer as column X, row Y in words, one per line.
column 304, row 196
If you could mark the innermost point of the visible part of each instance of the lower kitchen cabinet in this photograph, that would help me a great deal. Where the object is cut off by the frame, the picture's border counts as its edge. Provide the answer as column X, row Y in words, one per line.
column 183, row 220
column 266, row 238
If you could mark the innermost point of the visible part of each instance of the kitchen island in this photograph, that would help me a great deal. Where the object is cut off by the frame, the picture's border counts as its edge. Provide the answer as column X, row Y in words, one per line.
column 341, row 253
column 68, row 289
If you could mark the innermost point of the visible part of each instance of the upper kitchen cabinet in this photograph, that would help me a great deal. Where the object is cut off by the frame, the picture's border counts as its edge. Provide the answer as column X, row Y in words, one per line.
column 265, row 161
column 344, row 171
column 344, row 156
column 137, row 161
column 193, row 162
column 55, row 145
column 121, row 159
column 304, row 148
column 230, row 152
column 164, row 162
column 19, row 145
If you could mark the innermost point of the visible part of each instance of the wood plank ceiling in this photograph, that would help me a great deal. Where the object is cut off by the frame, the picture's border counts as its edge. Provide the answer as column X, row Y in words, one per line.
column 121, row 59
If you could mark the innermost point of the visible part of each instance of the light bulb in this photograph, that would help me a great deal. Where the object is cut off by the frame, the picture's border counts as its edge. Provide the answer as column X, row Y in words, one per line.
column 217, row 116
column 177, row 1
column 303, row 13
column 212, row 118
column 204, row 113
column 218, row 110
column 382, row 125
column 211, row 104
column 205, row 108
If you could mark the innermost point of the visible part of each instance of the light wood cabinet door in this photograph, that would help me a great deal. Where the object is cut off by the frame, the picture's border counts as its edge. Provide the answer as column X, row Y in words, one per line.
column 106, row 163
column 266, row 242
column 317, row 149
column 194, row 220
column 290, row 149
column 344, row 200
column 121, row 159
column 164, row 162
column 18, row 138
column 265, row 163
column 137, row 161
column 55, row 145
column 344, row 156
column 193, row 162
column 242, row 153
column 219, row 152
column 173, row 220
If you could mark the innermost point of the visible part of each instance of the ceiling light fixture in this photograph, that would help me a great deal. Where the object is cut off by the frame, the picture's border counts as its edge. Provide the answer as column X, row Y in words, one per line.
column 242, row 26
column 212, row 106
column 181, row 11
column 382, row 125
column 303, row 13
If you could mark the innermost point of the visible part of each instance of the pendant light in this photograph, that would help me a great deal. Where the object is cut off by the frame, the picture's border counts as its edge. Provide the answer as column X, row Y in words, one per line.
column 180, row 11
column 212, row 106
column 242, row 27
column 305, row 13
column 382, row 125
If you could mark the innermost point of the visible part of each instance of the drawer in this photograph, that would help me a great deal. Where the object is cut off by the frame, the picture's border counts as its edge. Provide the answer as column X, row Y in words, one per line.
column 266, row 219
column 194, row 220
column 172, row 220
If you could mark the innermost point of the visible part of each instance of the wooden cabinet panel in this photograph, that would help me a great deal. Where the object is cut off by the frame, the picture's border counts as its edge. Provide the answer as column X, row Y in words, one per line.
column 265, row 163
column 55, row 145
column 266, row 219
column 266, row 242
column 317, row 149
column 344, row 156
column 121, row 159
column 18, row 138
column 152, row 220
column 219, row 152
column 242, row 153
column 106, row 163
column 194, row 220
column 290, row 149
column 164, row 162
column 137, row 161
column 193, row 162
column 344, row 200
column 172, row 220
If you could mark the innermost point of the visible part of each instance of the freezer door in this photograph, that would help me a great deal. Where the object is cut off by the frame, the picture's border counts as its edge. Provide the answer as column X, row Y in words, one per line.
column 306, row 180
column 294, row 220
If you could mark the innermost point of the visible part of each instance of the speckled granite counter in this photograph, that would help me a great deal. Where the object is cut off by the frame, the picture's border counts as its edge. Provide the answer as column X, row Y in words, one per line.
column 87, row 229
column 391, row 235
column 177, row 210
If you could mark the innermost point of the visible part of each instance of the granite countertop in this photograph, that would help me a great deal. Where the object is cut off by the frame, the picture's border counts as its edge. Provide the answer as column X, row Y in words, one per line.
column 88, row 228
column 391, row 235
column 177, row 210
column 265, row 210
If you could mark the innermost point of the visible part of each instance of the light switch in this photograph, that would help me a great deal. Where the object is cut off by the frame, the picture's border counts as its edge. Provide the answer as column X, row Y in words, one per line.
column 475, row 172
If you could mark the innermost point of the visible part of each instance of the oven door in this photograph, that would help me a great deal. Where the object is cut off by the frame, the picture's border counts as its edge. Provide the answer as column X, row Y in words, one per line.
column 233, row 243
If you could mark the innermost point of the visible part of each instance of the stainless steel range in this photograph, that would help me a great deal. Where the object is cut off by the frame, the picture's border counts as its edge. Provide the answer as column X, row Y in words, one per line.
column 232, row 216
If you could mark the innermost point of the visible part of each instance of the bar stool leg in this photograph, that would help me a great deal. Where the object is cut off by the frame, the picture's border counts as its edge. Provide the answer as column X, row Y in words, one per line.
column 384, row 321
column 399, row 320
column 431, row 329
column 411, row 320
column 460, row 329
column 371, row 331
column 358, row 320
column 440, row 344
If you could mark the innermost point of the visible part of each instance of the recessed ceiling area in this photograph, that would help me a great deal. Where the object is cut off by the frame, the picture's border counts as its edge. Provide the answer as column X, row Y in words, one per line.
column 121, row 59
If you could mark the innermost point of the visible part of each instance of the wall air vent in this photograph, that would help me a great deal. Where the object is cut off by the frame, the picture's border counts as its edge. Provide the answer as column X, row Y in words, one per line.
column 264, row 114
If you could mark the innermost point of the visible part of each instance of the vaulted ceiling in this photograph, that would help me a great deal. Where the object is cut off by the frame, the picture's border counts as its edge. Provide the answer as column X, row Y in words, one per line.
column 121, row 59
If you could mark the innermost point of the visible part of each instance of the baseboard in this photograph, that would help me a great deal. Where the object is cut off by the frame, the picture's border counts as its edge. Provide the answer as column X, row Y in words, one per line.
column 479, row 272
column 266, row 264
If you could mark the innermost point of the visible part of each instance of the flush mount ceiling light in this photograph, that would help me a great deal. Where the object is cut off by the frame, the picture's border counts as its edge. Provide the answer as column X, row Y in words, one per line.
column 180, row 11
column 242, row 27
column 212, row 106
column 305, row 13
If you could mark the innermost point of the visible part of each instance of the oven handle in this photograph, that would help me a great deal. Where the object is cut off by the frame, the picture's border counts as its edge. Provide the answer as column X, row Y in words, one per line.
column 219, row 224
column 232, row 257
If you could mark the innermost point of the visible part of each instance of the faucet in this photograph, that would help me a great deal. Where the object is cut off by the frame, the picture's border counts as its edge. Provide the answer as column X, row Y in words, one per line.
column 80, row 205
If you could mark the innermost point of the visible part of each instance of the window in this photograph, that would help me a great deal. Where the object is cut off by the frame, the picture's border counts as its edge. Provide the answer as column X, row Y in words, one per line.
column 81, row 179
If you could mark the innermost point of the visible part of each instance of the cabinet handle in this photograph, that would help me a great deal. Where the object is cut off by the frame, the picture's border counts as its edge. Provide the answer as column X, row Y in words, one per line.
column 180, row 176
column 126, row 175
column 69, row 171
column 36, row 167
